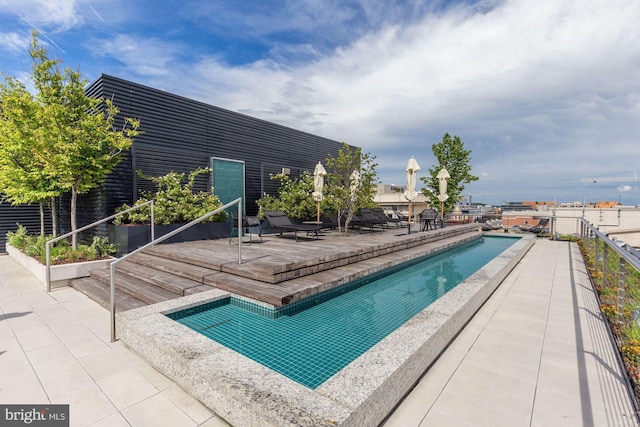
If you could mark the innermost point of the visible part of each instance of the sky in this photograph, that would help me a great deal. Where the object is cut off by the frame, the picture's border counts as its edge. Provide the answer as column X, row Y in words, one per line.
column 544, row 93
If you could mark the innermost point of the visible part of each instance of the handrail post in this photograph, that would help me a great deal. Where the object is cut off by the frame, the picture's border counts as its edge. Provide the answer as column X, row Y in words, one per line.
column 239, row 219
column 154, row 242
column 153, row 222
column 112, row 286
column 47, row 249
column 86, row 227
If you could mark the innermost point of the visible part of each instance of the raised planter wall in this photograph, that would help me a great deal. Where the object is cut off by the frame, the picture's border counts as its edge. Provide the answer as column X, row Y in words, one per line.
column 61, row 275
column 128, row 238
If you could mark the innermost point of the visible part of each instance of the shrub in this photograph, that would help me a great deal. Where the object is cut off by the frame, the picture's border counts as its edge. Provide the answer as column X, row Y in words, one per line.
column 294, row 197
column 61, row 252
column 175, row 202
column 18, row 239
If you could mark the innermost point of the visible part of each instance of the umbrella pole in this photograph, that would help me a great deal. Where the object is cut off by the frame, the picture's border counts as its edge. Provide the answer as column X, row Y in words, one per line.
column 318, row 212
column 441, row 214
column 409, row 219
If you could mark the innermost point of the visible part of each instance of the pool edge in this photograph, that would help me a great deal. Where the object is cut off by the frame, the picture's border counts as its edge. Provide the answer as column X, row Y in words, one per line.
column 246, row 393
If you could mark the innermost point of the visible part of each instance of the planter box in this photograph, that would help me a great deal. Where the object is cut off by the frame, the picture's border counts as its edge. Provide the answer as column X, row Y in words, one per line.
column 130, row 237
column 61, row 274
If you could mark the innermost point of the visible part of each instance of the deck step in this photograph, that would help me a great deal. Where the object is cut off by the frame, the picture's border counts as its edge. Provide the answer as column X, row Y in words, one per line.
column 99, row 292
column 173, row 265
column 137, row 288
column 175, row 283
column 261, row 291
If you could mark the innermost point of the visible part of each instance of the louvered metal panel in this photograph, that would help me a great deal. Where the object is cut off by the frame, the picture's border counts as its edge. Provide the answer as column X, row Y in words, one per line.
column 182, row 134
column 27, row 215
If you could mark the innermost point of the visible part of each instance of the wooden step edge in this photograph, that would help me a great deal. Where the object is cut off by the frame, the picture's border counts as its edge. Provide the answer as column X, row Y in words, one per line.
column 98, row 292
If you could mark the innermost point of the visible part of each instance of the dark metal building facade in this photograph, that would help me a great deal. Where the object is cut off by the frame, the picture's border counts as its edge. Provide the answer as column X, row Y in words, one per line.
column 180, row 134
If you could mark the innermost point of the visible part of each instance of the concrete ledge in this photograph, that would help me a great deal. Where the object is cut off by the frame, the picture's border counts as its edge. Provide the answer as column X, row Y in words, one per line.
column 246, row 393
column 62, row 274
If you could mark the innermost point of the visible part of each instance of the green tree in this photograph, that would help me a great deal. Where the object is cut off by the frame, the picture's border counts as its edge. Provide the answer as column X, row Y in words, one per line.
column 23, row 179
column 450, row 154
column 83, row 144
column 348, row 191
column 294, row 197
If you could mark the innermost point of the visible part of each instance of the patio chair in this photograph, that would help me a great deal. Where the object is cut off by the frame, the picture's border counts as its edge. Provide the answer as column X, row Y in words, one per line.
column 248, row 223
column 280, row 221
column 428, row 218
column 379, row 212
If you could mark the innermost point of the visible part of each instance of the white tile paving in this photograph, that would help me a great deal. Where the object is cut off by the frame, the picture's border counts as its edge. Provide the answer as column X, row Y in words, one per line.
column 537, row 353
column 54, row 348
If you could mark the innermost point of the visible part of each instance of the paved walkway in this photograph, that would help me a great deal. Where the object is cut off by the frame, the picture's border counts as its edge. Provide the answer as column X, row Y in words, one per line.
column 538, row 354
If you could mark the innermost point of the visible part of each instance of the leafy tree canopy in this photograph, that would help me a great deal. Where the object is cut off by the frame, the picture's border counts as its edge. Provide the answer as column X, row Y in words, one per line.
column 451, row 154
column 60, row 139
column 349, row 191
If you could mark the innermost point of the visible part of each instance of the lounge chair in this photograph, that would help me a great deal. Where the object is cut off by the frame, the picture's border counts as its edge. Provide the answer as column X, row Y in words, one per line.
column 370, row 219
column 329, row 220
column 399, row 214
column 540, row 227
column 380, row 214
column 357, row 221
column 280, row 221
column 487, row 226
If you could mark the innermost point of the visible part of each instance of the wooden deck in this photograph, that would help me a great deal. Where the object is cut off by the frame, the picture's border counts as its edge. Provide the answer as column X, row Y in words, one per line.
column 277, row 270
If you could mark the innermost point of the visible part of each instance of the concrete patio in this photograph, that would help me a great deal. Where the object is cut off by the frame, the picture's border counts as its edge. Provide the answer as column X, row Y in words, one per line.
column 537, row 353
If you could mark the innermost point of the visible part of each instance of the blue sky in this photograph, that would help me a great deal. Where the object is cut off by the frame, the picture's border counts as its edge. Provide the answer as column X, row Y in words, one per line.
column 543, row 93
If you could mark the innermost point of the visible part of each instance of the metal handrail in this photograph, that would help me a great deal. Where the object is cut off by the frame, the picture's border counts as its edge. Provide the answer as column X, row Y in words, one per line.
column 628, row 257
column 71, row 233
column 156, row 241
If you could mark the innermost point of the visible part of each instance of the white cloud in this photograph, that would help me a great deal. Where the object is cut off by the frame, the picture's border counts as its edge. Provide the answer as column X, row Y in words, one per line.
column 14, row 42
column 148, row 57
column 543, row 93
column 535, row 89
column 57, row 15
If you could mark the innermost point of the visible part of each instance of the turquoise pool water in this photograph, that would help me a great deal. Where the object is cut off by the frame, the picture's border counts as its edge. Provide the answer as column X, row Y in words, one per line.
column 313, row 339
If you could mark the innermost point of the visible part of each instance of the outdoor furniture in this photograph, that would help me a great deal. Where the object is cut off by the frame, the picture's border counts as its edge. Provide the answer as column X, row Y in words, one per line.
column 248, row 222
column 379, row 212
column 280, row 221
column 428, row 218
column 330, row 220
column 370, row 219
column 540, row 227
column 399, row 215
column 487, row 226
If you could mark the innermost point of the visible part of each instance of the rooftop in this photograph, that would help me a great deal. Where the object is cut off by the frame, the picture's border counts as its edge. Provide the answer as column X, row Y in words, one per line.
column 538, row 352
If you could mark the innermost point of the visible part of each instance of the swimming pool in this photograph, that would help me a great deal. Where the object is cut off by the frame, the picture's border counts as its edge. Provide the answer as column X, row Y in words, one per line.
column 313, row 339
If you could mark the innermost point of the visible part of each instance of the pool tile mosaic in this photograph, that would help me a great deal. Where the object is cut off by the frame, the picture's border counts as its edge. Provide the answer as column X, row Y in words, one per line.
column 313, row 339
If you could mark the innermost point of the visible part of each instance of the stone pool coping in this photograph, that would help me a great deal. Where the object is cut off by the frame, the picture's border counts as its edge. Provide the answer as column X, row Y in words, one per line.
column 245, row 393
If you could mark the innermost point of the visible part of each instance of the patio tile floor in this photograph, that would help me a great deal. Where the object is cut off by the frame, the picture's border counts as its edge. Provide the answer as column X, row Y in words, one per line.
column 537, row 353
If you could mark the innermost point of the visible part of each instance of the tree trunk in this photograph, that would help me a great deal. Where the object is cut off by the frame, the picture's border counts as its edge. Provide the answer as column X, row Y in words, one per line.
column 41, row 219
column 54, row 217
column 74, row 237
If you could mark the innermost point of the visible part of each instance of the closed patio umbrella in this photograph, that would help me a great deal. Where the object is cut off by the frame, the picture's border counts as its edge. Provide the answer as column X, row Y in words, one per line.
column 442, row 176
column 354, row 180
column 410, row 193
column 318, row 184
